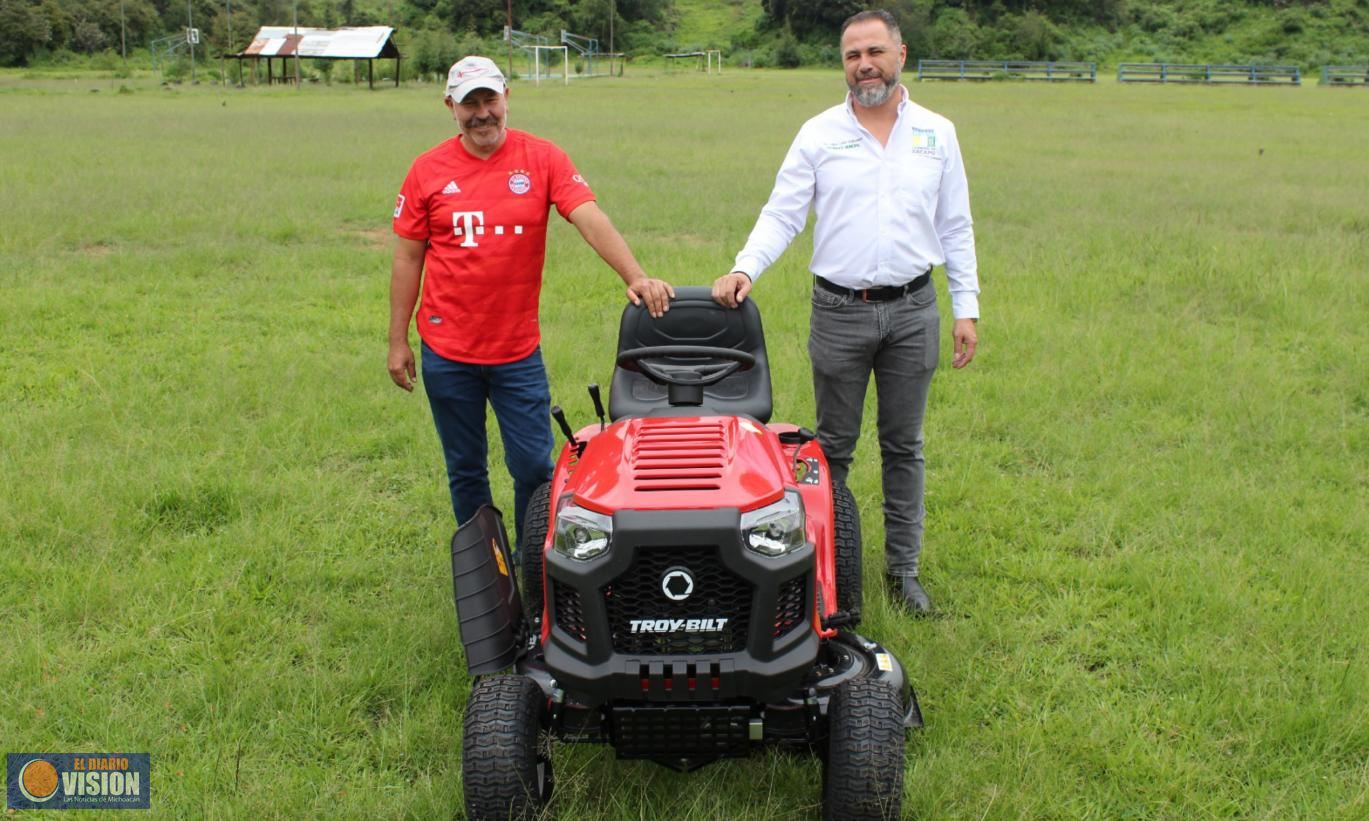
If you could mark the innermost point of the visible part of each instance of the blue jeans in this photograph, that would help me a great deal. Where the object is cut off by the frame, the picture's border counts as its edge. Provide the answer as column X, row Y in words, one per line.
column 899, row 342
column 521, row 399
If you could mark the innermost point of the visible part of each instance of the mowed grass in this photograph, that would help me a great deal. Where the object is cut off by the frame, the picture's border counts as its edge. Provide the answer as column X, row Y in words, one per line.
column 225, row 531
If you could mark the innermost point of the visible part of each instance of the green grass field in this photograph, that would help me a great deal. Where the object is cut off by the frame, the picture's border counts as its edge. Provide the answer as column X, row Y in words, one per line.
column 225, row 531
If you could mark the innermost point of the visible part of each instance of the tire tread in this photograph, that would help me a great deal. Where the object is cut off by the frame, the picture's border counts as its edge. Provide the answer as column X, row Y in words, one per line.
column 863, row 773
column 846, row 543
column 499, row 749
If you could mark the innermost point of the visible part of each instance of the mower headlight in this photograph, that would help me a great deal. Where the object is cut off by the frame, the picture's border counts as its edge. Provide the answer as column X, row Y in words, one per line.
column 582, row 534
column 777, row 529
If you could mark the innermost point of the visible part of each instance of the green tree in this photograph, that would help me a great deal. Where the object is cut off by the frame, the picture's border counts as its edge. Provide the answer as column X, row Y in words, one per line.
column 1034, row 36
column 812, row 18
column 87, row 37
column 22, row 31
column 954, row 36
column 787, row 51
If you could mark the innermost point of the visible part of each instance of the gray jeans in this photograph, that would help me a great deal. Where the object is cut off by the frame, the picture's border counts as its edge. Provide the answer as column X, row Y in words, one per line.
column 899, row 341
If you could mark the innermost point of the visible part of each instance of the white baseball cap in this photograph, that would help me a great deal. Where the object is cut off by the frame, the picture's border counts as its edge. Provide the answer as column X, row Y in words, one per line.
column 470, row 73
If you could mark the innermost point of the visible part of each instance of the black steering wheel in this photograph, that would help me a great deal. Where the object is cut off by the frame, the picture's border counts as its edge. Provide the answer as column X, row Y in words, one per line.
column 712, row 364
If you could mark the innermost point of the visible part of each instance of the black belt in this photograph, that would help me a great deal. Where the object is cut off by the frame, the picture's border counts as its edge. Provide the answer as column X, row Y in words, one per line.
column 884, row 294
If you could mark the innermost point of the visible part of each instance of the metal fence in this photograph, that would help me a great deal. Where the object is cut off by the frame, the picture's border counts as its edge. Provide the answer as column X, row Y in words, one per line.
column 1192, row 73
column 1345, row 75
column 1006, row 70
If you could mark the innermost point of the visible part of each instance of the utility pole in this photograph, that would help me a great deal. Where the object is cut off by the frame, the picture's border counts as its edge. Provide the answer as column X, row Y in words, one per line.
column 223, row 61
column 612, row 13
column 190, row 35
column 508, row 7
column 123, row 35
column 297, row 45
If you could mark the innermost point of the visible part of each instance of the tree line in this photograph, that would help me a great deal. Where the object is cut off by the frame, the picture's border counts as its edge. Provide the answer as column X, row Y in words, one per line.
column 432, row 33
column 38, row 30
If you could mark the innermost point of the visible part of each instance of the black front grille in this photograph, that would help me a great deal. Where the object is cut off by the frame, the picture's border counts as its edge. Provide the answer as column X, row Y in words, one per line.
column 789, row 610
column 718, row 594
column 565, row 602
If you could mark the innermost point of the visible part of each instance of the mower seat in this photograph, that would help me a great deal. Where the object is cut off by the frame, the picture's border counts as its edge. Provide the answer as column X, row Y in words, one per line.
column 694, row 319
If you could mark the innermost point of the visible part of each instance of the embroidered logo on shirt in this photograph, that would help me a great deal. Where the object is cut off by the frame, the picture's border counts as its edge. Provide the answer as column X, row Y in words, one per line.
column 399, row 205
column 924, row 142
column 520, row 183
column 842, row 145
column 452, row 188
column 579, row 179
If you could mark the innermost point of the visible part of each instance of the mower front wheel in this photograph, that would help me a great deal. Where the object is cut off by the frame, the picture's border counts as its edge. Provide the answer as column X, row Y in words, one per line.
column 862, row 775
column 536, row 523
column 846, row 535
column 506, row 755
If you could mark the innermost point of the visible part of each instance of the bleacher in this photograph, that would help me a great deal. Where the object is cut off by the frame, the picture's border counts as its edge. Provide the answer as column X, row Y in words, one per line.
column 1345, row 75
column 1006, row 70
column 1208, row 74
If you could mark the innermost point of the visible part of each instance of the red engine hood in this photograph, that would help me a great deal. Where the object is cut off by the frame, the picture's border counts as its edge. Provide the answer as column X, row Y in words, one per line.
column 679, row 463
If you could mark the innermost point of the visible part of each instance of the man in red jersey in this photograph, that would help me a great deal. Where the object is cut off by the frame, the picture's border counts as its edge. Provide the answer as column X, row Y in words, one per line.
column 472, row 214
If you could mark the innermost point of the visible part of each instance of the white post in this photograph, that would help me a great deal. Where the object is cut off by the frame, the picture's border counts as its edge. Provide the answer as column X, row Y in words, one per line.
column 190, row 26
column 537, row 66
column 297, row 45
column 565, row 64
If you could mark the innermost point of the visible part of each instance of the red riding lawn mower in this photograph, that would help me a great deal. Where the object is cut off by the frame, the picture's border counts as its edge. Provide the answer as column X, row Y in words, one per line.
column 691, row 579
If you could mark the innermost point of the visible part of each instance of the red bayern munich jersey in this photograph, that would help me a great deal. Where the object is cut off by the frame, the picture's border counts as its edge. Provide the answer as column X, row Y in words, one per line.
column 485, row 222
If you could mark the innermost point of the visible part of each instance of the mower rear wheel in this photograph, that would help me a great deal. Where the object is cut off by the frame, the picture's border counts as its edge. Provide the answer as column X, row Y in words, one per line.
column 862, row 775
column 506, row 756
column 536, row 523
column 846, row 535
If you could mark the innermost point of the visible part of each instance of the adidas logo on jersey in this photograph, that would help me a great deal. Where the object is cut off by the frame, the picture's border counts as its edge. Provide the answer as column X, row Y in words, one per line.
column 452, row 188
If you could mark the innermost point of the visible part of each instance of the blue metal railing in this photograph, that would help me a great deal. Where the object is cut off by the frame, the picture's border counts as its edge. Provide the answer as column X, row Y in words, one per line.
column 1006, row 69
column 1208, row 73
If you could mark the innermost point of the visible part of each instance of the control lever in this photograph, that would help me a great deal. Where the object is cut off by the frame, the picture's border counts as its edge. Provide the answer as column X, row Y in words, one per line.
column 560, row 417
column 598, row 403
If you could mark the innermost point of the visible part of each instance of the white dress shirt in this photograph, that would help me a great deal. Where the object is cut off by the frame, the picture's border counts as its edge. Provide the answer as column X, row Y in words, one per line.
column 885, row 214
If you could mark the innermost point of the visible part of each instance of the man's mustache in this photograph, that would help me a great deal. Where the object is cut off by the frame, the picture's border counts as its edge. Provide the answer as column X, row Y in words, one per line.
column 481, row 122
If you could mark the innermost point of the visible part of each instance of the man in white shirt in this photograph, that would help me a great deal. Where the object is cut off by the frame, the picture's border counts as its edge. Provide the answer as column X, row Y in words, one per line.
column 886, row 179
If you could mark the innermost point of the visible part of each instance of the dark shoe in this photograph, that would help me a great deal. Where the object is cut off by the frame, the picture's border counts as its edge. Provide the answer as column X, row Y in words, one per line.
column 907, row 591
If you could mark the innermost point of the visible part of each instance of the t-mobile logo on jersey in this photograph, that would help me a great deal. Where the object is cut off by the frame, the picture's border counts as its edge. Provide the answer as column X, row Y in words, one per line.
column 467, row 224
column 470, row 224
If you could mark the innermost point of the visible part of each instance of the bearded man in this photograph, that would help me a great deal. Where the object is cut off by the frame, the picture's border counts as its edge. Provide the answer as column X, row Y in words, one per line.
column 471, row 233
column 887, row 182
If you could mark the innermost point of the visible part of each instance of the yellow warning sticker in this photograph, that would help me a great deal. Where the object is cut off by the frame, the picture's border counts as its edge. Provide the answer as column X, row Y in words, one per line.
column 499, row 558
column 884, row 662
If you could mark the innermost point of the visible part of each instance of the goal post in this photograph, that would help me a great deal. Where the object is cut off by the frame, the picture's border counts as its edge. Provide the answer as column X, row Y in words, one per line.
column 537, row 60
column 705, row 59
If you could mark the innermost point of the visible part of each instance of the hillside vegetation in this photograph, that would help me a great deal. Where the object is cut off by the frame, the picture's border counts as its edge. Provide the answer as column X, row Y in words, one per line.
column 785, row 33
